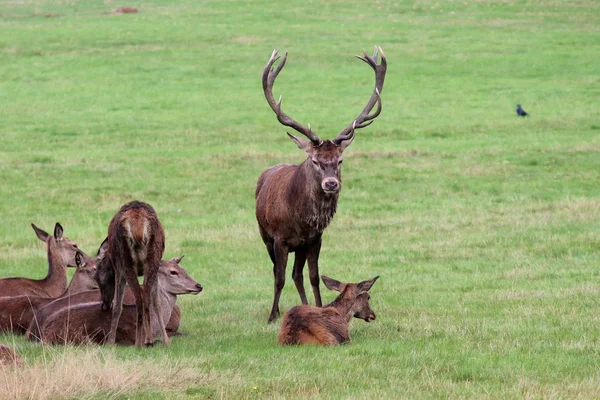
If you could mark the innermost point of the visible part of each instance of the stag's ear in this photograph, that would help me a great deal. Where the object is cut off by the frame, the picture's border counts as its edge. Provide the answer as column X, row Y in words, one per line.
column 102, row 250
column 365, row 286
column 302, row 144
column 58, row 231
column 41, row 234
column 332, row 284
column 79, row 260
column 177, row 260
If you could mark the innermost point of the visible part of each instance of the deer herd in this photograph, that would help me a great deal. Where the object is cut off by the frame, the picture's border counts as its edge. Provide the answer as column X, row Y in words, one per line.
column 104, row 302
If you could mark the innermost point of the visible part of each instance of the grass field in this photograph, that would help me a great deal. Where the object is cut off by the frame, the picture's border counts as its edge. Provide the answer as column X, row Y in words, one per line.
column 484, row 227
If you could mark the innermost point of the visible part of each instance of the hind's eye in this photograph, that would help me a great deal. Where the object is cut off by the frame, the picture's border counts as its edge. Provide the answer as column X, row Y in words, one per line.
column 339, row 162
column 174, row 273
column 315, row 162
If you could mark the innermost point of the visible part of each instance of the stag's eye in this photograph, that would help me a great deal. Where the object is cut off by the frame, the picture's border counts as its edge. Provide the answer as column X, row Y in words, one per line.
column 339, row 162
column 174, row 273
column 315, row 162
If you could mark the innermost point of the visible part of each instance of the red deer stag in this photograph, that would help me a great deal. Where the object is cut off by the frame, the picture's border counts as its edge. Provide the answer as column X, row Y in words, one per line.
column 85, row 323
column 328, row 325
column 295, row 203
column 17, row 312
column 61, row 254
column 136, row 242
column 91, row 296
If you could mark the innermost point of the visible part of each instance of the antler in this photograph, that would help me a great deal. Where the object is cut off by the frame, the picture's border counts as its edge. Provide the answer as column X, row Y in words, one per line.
column 268, row 78
column 365, row 119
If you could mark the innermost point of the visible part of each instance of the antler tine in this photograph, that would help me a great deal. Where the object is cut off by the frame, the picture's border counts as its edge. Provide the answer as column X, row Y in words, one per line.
column 365, row 118
column 268, row 79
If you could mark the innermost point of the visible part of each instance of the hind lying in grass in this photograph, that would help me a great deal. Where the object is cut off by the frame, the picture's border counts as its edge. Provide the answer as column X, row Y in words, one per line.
column 328, row 325
column 88, row 323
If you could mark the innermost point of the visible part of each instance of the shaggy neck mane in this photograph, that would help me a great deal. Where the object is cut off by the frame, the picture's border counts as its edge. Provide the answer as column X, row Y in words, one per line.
column 308, row 200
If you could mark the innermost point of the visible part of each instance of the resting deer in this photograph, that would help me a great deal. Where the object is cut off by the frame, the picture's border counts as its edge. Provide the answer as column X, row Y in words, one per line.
column 85, row 323
column 91, row 296
column 295, row 203
column 8, row 356
column 61, row 254
column 17, row 312
column 136, row 242
column 328, row 325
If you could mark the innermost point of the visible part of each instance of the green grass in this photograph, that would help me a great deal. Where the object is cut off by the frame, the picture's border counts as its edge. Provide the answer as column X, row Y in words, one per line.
column 483, row 226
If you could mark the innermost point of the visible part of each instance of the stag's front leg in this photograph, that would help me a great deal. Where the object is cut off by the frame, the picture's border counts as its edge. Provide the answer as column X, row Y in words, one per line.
column 313, row 269
column 299, row 262
column 281, row 256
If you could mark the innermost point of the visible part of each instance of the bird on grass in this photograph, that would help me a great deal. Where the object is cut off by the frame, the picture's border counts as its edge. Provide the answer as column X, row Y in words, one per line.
column 520, row 111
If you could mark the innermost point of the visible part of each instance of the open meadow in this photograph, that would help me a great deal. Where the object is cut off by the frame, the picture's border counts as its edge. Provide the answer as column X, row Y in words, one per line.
column 484, row 227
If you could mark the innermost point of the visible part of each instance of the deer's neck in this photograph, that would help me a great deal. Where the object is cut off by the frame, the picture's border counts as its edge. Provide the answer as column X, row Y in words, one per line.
column 57, row 269
column 343, row 306
column 77, row 285
column 166, row 302
column 315, row 207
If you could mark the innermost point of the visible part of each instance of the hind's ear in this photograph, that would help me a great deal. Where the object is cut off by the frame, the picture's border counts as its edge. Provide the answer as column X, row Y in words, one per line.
column 103, row 249
column 79, row 260
column 365, row 286
column 58, row 231
column 332, row 284
column 41, row 234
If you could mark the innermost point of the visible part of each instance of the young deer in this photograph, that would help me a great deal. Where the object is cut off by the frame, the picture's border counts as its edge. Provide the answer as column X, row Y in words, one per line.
column 85, row 323
column 136, row 242
column 61, row 254
column 17, row 312
column 328, row 325
column 295, row 203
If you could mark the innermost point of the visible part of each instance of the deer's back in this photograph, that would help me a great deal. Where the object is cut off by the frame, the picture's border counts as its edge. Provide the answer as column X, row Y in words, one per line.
column 31, row 287
column 16, row 312
column 87, row 323
column 313, row 325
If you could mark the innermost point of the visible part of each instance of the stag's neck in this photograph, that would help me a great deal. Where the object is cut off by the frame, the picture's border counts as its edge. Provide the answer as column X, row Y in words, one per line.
column 315, row 207
column 57, row 269
column 342, row 306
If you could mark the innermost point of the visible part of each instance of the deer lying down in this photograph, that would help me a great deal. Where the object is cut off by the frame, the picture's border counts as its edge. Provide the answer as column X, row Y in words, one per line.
column 17, row 312
column 87, row 323
column 328, row 325
column 61, row 254
column 8, row 356
column 91, row 296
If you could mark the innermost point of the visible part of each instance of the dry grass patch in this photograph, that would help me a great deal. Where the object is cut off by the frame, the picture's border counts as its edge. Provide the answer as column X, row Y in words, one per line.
column 83, row 372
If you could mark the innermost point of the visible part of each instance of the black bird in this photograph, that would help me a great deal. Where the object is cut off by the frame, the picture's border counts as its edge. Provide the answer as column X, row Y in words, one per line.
column 520, row 111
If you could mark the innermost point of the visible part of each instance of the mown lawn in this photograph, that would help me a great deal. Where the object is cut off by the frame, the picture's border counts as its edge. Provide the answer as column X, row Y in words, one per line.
column 483, row 226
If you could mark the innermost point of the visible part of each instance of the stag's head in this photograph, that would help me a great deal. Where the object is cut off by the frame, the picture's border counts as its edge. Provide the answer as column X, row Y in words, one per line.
column 325, row 156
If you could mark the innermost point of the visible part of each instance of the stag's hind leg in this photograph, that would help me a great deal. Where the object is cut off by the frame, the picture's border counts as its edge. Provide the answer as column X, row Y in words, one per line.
column 281, row 256
column 299, row 261
column 313, row 269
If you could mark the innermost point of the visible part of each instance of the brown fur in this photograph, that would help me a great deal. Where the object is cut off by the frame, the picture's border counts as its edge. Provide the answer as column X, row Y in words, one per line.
column 17, row 312
column 61, row 254
column 328, row 325
column 8, row 356
column 91, row 296
column 136, row 242
column 86, row 322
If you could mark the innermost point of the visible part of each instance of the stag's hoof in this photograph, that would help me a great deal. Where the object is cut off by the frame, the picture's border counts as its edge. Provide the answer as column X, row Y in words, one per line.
column 149, row 344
